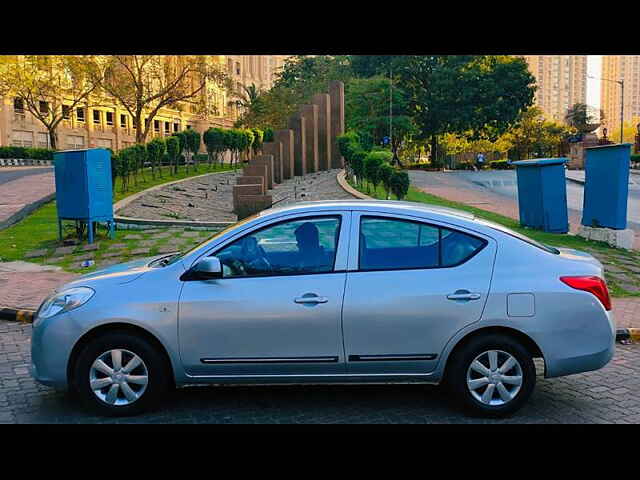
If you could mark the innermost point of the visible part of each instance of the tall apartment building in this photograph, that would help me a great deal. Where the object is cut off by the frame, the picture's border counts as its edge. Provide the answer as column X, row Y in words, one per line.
column 620, row 67
column 247, row 70
column 111, row 126
column 561, row 80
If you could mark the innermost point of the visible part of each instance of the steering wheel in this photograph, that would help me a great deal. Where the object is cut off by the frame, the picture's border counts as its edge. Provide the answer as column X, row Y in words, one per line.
column 254, row 258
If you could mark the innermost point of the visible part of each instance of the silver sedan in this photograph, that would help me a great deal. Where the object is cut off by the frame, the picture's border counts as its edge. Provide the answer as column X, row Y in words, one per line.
column 335, row 291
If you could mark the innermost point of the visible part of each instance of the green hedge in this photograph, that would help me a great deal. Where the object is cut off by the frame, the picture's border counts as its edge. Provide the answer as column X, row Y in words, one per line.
column 635, row 158
column 501, row 164
column 26, row 153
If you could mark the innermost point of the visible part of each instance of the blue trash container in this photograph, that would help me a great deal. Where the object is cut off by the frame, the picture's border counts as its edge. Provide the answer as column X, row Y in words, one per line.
column 542, row 194
column 83, row 188
column 606, row 187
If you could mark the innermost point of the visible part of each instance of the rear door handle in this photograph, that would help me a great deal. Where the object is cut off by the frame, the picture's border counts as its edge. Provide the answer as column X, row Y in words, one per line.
column 463, row 296
column 311, row 299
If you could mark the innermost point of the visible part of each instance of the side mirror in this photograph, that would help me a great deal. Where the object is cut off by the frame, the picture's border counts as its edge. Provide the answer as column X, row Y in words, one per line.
column 208, row 268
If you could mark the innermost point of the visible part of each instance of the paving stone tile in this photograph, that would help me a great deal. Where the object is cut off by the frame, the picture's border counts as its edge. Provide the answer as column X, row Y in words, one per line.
column 36, row 253
column 90, row 247
column 140, row 251
column 64, row 250
column 132, row 237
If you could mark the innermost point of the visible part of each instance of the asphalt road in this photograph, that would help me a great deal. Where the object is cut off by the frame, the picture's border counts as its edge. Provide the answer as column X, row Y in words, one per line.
column 504, row 183
column 14, row 173
column 609, row 395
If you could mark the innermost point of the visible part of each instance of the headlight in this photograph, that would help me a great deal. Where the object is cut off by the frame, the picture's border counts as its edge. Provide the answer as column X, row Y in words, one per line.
column 65, row 301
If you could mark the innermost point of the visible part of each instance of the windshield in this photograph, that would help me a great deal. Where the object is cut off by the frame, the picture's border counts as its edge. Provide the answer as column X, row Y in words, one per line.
column 173, row 258
column 519, row 236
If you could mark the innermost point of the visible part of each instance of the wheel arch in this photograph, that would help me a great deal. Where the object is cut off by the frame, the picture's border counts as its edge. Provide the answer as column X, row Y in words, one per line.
column 525, row 340
column 112, row 327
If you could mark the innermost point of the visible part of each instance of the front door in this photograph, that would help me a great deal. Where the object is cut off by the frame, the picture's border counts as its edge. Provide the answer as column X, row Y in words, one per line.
column 410, row 287
column 277, row 309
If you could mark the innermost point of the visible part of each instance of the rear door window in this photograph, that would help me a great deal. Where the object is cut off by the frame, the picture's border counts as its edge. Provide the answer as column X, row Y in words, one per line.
column 395, row 244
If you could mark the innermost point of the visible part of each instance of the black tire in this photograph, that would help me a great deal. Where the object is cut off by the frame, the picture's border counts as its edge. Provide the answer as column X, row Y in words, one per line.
column 456, row 379
column 158, row 374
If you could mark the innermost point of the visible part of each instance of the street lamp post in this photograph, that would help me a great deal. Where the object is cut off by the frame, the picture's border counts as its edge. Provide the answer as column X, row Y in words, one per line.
column 621, row 83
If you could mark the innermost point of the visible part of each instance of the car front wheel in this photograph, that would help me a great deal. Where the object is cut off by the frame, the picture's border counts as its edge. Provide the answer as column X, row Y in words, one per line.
column 120, row 374
column 492, row 375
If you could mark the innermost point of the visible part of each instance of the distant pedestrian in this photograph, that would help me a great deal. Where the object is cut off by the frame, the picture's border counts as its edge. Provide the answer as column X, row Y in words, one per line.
column 480, row 160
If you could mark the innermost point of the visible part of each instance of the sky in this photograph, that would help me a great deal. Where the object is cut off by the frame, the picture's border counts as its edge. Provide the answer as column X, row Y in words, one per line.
column 594, row 67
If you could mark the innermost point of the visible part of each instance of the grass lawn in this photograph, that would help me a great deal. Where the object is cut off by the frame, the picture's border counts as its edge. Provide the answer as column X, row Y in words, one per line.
column 39, row 230
column 621, row 283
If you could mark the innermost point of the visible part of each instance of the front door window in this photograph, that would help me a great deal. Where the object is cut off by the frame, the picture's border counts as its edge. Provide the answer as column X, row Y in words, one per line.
column 301, row 246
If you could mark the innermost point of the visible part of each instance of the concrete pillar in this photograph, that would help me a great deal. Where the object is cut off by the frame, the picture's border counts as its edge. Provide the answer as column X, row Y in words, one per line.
column 322, row 100
column 256, row 171
column 240, row 190
column 310, row 115
column 249, row 204
column 297, row 124
column 336, row 92
column 266, row 160
column 275, row 149
column 286, row 138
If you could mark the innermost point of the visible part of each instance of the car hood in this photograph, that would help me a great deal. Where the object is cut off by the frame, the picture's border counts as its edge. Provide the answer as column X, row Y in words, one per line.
column 119, row 273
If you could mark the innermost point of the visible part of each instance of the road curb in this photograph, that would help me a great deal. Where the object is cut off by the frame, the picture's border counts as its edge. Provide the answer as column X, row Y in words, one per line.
column 17, row 315
column 624, row 334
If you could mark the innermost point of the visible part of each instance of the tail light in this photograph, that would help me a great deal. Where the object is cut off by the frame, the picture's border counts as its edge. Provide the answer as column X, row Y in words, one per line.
column 595, row 285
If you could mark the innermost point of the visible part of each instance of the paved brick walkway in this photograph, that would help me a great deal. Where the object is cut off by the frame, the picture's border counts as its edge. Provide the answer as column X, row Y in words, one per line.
column 17, row 194
column 609, row 395
column 210, row 198
column 28, row 290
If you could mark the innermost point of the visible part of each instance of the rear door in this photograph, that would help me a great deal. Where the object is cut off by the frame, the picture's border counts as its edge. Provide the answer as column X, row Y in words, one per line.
column 411, row 285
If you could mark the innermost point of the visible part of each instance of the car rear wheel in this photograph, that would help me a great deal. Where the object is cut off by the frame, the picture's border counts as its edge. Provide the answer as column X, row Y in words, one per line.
column 120, row 374
column 492, row 375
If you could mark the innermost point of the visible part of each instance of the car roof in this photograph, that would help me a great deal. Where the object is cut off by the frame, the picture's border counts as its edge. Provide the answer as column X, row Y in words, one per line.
column 388, row 206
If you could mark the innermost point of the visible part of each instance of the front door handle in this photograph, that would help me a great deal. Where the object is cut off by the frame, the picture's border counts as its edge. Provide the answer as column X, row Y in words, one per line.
column 310, row 298
column 463, row 295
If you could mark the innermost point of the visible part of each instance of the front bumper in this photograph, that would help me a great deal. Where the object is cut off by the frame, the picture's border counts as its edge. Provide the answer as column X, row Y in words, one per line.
column 51, row 343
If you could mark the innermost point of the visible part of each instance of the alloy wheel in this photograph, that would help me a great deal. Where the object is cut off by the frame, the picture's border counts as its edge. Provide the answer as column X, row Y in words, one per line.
column 118, row 377
column 494, row 378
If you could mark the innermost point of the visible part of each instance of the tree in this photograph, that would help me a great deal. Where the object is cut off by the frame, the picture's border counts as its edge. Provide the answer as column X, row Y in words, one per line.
column 192, row 144
column 583, row 118
column 258, row 136
column 372, row 163
column 386, row 172
column 300, row 78
column 215, row 141
column 481, row 94
column 247, row 141
column 173, row 150
column 535, row 137
column 367, row 109
column 50, row 87
column 156, row 149
column 629, row 132
column 183, row 145
column 143, row 84
column 399, row 183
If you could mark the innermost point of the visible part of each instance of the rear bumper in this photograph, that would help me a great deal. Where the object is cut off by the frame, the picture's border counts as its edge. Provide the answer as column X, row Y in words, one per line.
column 585, row 350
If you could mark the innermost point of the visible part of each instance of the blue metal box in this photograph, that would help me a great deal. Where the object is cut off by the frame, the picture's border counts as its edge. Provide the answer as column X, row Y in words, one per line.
column 606, row 187
column 83, row 187
column 542, row 194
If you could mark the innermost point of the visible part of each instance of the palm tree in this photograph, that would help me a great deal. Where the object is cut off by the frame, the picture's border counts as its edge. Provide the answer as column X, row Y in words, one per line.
column 583, row 118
